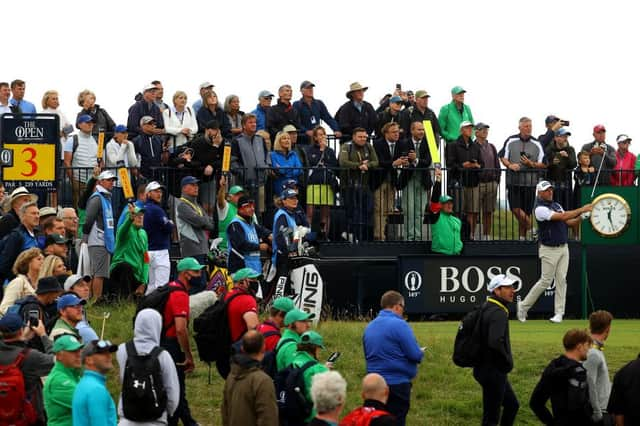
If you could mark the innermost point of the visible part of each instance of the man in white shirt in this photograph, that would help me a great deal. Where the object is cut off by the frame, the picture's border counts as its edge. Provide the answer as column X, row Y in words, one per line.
column 80, row 155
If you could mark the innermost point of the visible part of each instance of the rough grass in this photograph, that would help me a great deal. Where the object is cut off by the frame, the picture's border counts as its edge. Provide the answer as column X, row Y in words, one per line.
column 443, row 394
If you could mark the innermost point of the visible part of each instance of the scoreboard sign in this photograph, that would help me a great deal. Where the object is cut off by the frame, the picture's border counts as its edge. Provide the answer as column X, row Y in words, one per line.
column 31, row 141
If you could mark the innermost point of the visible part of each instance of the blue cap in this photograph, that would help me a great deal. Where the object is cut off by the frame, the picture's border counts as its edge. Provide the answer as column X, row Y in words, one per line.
column 395, row 99
column 289, row 183
column 187, row 180
column 288, row 193
column 10, row 323
column 562, row 132
column 69, row 299
column 120, row 128
column 84, row 118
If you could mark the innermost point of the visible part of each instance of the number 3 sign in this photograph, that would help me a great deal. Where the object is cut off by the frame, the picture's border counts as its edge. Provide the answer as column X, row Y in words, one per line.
column 31, row 162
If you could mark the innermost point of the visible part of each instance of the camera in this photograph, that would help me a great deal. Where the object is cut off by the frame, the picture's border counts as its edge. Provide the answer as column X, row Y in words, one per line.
column 398, row 86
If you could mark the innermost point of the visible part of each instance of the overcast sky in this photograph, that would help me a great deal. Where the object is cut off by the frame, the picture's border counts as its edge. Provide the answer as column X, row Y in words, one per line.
column 577, row 60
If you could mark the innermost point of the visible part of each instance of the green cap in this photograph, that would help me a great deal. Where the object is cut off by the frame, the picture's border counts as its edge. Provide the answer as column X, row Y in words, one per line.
column 297, row 315
column 66, row 342
column 422, row 94
column 189, row 264
column 445, row 198
column 235, row 189
column 138, row 210
column 283, row 304
column 244, row 273
column 312, row 337
column 457, row 90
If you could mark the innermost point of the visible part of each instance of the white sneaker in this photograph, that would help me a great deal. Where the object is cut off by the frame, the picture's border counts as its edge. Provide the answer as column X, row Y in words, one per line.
column 556, row 319
column 520, row 313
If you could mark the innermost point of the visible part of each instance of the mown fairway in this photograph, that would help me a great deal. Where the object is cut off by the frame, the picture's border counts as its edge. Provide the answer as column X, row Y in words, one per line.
column 443, row 394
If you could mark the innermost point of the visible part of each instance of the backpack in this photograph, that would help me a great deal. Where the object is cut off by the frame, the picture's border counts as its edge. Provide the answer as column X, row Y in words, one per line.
column 212, row 333
column 144, row 397
column 270, row 360
column 293, row 406
column 468, row 343
column 362, row 416
column 15, row 407
column 157, row 300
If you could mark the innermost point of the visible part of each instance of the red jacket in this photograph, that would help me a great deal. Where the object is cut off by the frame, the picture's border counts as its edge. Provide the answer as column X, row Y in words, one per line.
column 623, row 174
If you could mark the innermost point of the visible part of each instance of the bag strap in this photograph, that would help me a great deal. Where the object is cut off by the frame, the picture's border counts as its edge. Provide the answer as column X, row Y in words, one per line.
column 498, row 303
column 17, row 363
column 271, row 333
column 283, row 342
column 131, row 349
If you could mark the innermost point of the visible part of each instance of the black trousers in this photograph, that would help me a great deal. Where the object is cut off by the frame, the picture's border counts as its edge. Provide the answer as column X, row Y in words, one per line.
column 496, row 393
column 399, row 401
column 183, row 412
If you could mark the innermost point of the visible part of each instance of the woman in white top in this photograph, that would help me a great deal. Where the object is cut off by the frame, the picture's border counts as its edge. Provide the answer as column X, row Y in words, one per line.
column 26, row 267
column 179, row 121
column 51, row 105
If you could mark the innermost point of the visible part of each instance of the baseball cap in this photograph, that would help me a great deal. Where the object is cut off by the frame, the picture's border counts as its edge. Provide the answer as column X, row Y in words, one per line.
column 312, row 338
column 187, row 180
column 120, row 128
column 499, row 280
column 106, row 175
column 480, row 126
column 146, row 120
column 54, row 239
column 620, row 138
column 84, row 118
column 212, row 124
column 47, row 211
column 409, row 92
column 297, row 315
column 10, row 323
column 75, row 279
column 543, row 185
column 445, row 198
column 265, row 94
column 206, row 85
column 306, row 84
column 244, row 273
column 289, row 183
column 67, row 300
column 457, row 90
column 284, row 304
column 148, row 87
column 98, row 347
column 422, row 94
column 66, row 342
column 289, row 128
column 48, row 285
column 189, row 264
column 562, row 131
column 465, row 124
column 152, row 186
column 550, row 119
column 235, row 190
column 395, row 99
column 244, row 200
column 599, row 128
column 288, row 193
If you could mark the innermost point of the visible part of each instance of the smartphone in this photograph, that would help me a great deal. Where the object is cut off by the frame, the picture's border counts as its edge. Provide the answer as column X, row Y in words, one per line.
column 523, row 154
column 334, row 357
column 399, row 87
column 34, row 318
column 565, row 122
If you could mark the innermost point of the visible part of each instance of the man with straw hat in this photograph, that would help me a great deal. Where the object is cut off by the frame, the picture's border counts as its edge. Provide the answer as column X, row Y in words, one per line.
column 11, row 205
column 356, row 112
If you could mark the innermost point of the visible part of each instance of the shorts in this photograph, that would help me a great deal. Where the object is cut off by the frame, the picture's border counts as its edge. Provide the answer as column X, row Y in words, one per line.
column 521, row 197
column 100, row 261
column 488, row 196
column 471, row 199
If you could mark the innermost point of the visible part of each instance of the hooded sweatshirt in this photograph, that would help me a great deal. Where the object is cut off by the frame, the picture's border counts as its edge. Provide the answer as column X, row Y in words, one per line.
column 146, row 334
column 249, row 395
column 564, row 381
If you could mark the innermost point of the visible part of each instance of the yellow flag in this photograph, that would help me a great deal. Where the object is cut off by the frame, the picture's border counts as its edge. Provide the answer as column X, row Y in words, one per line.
column 226, row 158
column 431, row 142
column 100, row 145
column 127, row 189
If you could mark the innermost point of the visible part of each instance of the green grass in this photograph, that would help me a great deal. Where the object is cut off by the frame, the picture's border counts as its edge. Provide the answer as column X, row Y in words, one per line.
column 443, row 394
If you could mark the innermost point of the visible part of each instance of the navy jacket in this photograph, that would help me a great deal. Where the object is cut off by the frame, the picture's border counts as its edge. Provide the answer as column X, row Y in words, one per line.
column 310, row 115
column 158, row 226
column 279, row 116
column 205, row 115
column 149, row 147
column 139, row 110
column 348, row 118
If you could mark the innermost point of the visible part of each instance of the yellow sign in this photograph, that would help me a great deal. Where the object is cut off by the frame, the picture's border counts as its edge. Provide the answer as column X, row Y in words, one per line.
column 226, row 159
column 125, row 181
column 31, row 162
column 431, row 142
column 100, row 145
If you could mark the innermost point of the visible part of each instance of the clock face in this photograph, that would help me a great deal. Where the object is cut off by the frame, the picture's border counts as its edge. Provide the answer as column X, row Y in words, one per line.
column 611, row 215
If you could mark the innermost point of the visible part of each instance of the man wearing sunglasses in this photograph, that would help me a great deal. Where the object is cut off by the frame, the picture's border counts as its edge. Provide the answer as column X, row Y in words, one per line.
column 91, row 399
column 244, row 238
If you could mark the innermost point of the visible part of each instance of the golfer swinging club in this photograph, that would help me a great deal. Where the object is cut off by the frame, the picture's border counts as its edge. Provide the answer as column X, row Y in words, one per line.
column 553, row 225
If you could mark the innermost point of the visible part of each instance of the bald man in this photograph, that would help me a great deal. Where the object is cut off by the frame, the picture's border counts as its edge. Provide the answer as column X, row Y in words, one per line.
column 375, row 394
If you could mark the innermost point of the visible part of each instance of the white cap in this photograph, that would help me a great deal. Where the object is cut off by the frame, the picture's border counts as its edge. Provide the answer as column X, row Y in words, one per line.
column 73, row 280
column 148, row 87
column 500, row 280
column 107, row 174
column 152, row 186
column 206, row 84
column 465, row 124
column 543, row 185
column 623, row 138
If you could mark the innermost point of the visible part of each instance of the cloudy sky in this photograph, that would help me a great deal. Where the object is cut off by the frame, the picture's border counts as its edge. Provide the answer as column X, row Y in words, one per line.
column 576, row 60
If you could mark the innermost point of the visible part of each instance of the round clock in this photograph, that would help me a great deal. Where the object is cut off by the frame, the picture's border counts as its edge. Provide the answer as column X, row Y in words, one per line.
column 611, row 215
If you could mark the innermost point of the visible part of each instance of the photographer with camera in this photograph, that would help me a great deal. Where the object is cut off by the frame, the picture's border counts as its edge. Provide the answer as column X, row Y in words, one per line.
column 552, row 124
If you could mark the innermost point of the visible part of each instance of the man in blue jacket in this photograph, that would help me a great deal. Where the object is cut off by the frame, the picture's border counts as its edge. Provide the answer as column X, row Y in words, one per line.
column 311, row 111
column 391, row 350
column 159, row 228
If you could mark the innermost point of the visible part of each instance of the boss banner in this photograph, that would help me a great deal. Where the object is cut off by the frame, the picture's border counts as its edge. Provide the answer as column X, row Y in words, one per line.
column 448, row 284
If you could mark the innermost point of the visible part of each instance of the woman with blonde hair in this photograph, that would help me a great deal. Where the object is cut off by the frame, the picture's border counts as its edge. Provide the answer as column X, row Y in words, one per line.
column 52, row 265
column 101, row 118
column 285, row 162
column 51, row 105
column 180, row 121
column 26, row 268
column 232, row 109
column 322, row 178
